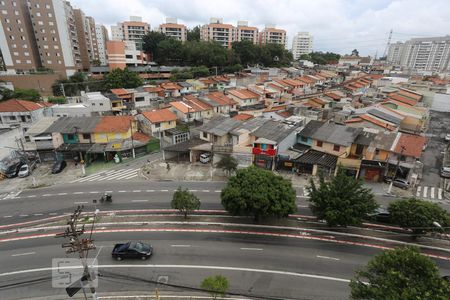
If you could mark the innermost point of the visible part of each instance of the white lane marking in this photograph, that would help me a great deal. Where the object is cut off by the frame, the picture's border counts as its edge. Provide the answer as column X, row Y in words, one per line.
column 193, row 191
column 302, row 206
column 99, row 250
column 205, row 191
column 47, row 195
column 432, row 193
column 121, row 174
column 136, row 191
column 419, row 189
column 52, row 214
column 327, row 257
column 143, row 200
column 440, row 194
column 122, row 191
column 181, row 246
column 80, row 202
column 23, row 215
column 78, row 193
column 108, row 191
column 305, row 193
column 31, row 196
column 38, row 214
column 164, row 190
column 7, row 216
column 150, row 266
column 425, row 191
column 217, row 191
column 94, row 192
column 62, row 194
column 23, row 254
column 97, row 176
column 252, row 249
column 130, row 176
column 150, row 191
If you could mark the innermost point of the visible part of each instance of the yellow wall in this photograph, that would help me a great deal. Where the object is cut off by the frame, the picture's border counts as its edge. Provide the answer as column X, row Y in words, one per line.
column 328, row 148
column 106, row 137
column 164, row 126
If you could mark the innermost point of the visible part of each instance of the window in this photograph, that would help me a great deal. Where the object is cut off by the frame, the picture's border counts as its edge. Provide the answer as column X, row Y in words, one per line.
column 12, row 118
column 47, row 6
column 128, row 56
column 50, row 15
column 51, row 23
column 40, row 23
column 8, row 29
column 22, row 38
column 336, row 148
column 5, row 12
column 56, row 47
column 23, row 119
column 49, row 62
column 25, row 46
column 157, row 125
column 18, row 21
column 377, row 151
column 14, row 46
column 11, row 37
column 71, row 136
column 16, row 53
column 18, row 61
column 101, row 104
column 38, row 14
column 304, row 139
column 86, row 136
column 26, row 53
column 93, row 104
column 139, row 99
column 28, row 61
column 319, row 143
column 16, row 12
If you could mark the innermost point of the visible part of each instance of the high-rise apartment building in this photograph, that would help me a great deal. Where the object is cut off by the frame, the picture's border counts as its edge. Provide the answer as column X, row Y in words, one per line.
column 124, row 53
column 272, row 35
column 246, row 33
column 87, row 38
column 302, row 43
column 218, row 32
column 422, row 54
column 46, row 34
column 133, row 30
column 102, row 37
column 174, row 30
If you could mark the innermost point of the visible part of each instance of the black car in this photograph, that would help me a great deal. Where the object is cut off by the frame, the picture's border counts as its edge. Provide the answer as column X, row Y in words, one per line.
column 58, row 166
column 132, row 250
column 10, row 166
column 381, row 215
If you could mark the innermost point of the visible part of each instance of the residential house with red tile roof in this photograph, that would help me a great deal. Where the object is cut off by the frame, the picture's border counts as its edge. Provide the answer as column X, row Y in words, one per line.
column 15, row 112
column 244, row 97
column 191, row 109
column 243, row 117
column 112, row 128
column 171, row 89
column 156, row 122
column 221, row 103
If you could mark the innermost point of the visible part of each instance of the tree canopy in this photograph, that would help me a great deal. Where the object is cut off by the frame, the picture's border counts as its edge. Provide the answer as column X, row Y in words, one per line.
column 194, row 52
column 228, row 163
column 321, row 58
column 342, row 201
column 258, row 193
column 216, row 285
column 402, row 273
column 75, row 84
column 22, row 94
column 185, row 201
column 119, row 78
column 418, row 215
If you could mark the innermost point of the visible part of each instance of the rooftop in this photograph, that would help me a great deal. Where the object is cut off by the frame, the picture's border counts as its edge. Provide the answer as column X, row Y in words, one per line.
column 310, row 128
column 16, row 105
column 413, row 145
column 243, row 94
column 112, row 124
column 336, row 134
column 73, row 125
column 274, row 131
column 160, row 115
column 220, row 125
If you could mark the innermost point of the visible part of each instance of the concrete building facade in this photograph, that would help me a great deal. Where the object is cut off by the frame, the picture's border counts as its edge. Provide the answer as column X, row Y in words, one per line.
column 302, row 43
column 174, row 30
column 133, row 30
column 246, row 33
column 102, row 37
column 218, row 32
column 272, row 35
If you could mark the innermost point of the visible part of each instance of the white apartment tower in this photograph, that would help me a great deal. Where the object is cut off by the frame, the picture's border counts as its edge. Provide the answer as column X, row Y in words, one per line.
column 102, row 37
column 422, row 54
column 302, row 44
column 246, row 33
column 217, row 31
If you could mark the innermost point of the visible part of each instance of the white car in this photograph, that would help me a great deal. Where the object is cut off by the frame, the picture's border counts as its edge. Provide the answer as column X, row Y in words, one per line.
column 205, row 158
column 447, row 137
column 24, row 171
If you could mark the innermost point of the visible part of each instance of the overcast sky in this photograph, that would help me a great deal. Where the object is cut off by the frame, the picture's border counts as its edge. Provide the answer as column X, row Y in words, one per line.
column 337, row 25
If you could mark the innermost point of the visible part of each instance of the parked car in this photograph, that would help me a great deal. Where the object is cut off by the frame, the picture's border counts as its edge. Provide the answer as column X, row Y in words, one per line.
column 401, row 183
column 26, row 169
column 205, row 158
column 381, row 215
column 447, row 137
column 58, row 166
column 445, row 172
column 10, row 166
column 132, row 250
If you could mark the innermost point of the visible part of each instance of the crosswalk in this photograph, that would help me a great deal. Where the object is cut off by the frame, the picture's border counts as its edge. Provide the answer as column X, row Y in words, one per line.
column 124, row 174
column 429, row 192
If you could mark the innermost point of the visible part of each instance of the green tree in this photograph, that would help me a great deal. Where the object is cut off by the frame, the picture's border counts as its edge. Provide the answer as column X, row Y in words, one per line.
column 259, row 193
column 22, row 94
column 321, row 58
column 119, row 78
column 418, row 215
column 342, row 201
column 217, row 285
column 169, row 51
column 228, row 164
column 402, row 273
column 201, row 71
column 194, row 34
column 233, row 69
column 57, row 100
column 150, row 42
column 185, row 201
column 246, row 52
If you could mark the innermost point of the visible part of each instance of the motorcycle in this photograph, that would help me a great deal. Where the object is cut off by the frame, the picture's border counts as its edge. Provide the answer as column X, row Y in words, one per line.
column 104, row 198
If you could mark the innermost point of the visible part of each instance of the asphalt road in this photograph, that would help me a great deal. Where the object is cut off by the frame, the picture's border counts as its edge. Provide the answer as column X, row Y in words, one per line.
column 186, row 258
column 46, row 202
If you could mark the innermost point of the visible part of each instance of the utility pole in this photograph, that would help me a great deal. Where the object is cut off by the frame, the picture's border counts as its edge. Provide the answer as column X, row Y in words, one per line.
column 132, row 140
column 396, row 169
column 62, row 90
column 388, row 44
column 80, row 246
